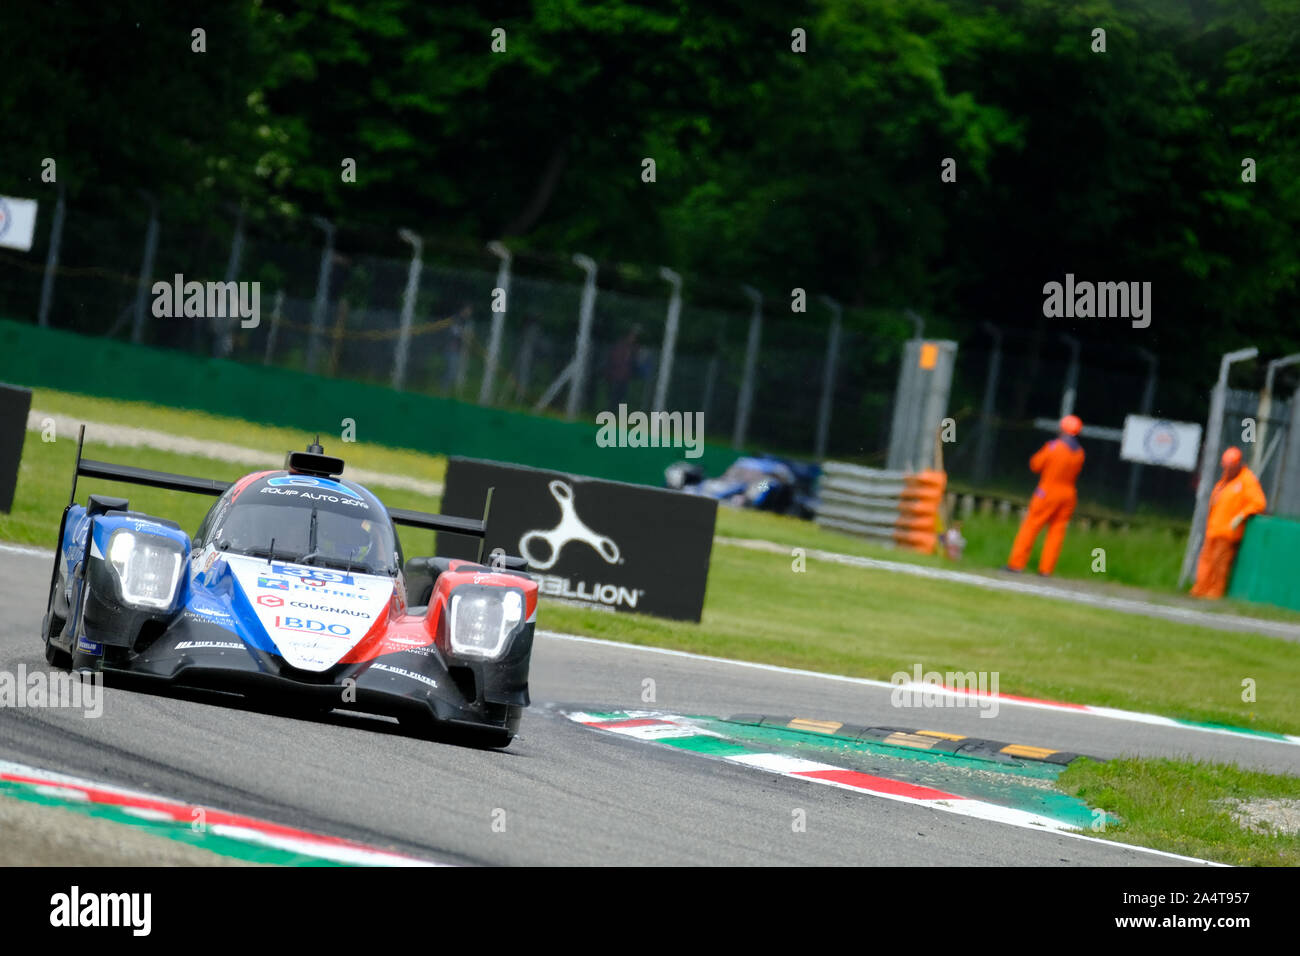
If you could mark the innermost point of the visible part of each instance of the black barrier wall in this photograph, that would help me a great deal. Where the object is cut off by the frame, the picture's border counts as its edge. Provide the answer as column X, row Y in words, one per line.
column 15, row 403
column 601, row 544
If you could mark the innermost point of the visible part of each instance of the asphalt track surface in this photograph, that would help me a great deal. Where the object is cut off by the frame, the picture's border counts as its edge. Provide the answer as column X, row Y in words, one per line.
column 570, row 795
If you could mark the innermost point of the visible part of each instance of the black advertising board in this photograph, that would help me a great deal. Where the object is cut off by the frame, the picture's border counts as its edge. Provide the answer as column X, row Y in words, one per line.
column 15, row 403
column 598, row 543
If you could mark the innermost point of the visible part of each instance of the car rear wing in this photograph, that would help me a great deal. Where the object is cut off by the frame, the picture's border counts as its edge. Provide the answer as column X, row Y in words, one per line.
column 452, row 524
column 89, row 468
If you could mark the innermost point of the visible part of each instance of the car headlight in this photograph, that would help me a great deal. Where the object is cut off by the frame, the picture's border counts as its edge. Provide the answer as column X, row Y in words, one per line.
column 481, row 621
column 148, row 568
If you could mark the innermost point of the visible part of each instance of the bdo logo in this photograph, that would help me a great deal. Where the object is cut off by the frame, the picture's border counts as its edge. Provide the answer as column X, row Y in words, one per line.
column 313, row 627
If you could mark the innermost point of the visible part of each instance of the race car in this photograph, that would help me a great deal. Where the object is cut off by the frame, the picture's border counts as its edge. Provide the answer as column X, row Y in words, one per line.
column 294, row 587
column 762, row 482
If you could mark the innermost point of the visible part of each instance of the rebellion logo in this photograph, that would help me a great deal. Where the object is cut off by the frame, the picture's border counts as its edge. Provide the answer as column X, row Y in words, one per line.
column 610, row 595
column 571, row 528
column 597, row 544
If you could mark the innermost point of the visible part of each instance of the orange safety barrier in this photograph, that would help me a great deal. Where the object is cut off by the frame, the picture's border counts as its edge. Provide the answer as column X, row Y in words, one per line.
column 918, row 510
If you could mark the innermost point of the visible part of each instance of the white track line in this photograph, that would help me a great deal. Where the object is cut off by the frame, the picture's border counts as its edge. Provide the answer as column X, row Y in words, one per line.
column 24, row 550
column 796, row 768
column 1110, row 712
column 246, row 829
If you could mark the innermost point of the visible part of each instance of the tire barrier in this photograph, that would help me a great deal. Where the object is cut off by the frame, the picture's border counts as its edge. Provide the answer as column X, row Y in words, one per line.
column 898, row 507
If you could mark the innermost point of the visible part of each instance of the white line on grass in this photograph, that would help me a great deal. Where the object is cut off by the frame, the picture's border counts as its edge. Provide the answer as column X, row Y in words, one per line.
column 128, row 436
column 1222, row 622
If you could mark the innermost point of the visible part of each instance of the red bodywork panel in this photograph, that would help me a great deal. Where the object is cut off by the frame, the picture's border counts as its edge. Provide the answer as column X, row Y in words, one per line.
column 401, row 631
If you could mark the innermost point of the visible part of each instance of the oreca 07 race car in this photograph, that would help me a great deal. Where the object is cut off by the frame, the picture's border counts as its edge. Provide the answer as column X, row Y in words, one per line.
column 294, row 586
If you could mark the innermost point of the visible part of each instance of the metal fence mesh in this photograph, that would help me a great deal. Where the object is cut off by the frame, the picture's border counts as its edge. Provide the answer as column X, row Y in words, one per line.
column 357, row 327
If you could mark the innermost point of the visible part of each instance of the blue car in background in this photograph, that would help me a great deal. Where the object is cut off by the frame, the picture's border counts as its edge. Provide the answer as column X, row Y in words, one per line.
column 764, row 482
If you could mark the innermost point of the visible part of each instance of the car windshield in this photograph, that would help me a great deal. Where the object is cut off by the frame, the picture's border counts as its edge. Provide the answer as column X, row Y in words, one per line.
column 307, row 533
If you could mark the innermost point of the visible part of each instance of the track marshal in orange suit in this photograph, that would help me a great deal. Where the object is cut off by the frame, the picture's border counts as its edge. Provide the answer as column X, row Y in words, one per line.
column 1058, row 464
column 1236, row 496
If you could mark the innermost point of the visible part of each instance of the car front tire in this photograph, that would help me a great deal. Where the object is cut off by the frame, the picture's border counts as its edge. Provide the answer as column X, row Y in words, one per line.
column 52, row 626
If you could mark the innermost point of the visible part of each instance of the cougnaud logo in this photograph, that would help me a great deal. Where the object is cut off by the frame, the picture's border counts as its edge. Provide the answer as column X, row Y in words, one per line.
column 570, row 528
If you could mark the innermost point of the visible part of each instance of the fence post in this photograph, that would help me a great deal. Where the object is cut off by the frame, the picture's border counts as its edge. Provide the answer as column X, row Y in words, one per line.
column 1071, row 376
column 462, row 357
column 408, row 305
column 524, row 362
column 1209, row 460
column 224, row 342
column 51, row 261
column 984, row 445
column 498, row 323
column 828, row 378
column 901, row 427
column 578, row 380
column 1148, row 401
column 670, row 338
column 1266, row 407
column 322, row 292
column 275, row 326
column 1284, row 495
column 146, row 267
column 711, row 370
column 746, row 401
column 907, row 404
column 918, row 323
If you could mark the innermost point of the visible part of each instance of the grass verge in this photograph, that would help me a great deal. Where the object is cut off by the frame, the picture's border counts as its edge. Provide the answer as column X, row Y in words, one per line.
column 1184, row 807
column 1143, row 558
column 867, row 623
column 271, row 439
column 45, row 477
column 831, row 618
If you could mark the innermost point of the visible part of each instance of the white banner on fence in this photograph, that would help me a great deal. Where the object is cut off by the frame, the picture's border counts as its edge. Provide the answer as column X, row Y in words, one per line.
column 17, row 222
column 1155, row 441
